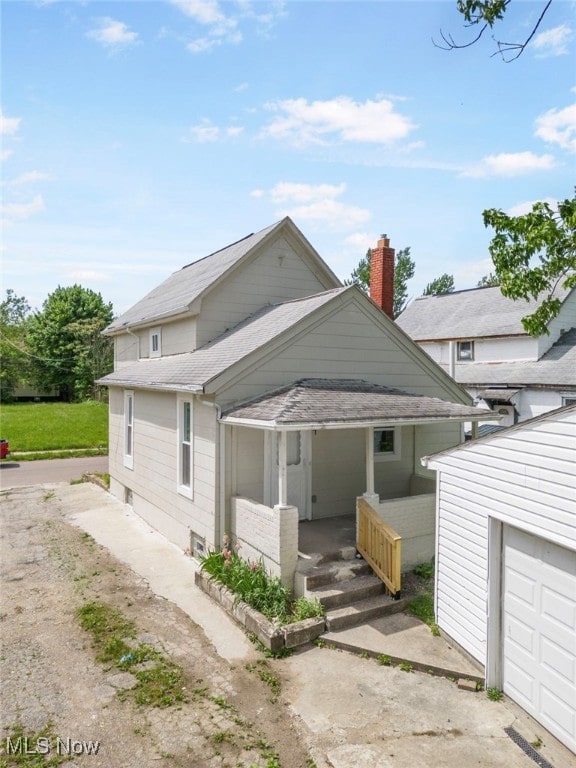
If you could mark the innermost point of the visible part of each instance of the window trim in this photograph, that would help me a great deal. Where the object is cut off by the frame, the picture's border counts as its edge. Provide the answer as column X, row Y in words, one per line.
column 155, row 333
column 129, row 402
column 465, row 357
column 394, row 455
column 185, row 489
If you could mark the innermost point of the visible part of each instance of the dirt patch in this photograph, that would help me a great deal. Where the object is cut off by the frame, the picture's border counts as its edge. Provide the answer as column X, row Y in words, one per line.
column 52, row 685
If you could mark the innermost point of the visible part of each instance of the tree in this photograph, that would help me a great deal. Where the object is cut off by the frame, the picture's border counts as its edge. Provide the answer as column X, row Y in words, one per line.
column 488, row 281
column 442, row 284
column 533, row 255
column 483, row 14
column 14, row 361
column 66, row 339
column 404, row 268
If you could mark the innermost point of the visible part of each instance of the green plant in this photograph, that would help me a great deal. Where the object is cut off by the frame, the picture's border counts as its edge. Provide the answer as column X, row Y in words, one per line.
column 263, row 671
column 383, row 659
column 405, row 666
column 161, row 685
column 424, row 570
column 422, row 607
column 494, row 694
column 250, row 582
column 537, row 743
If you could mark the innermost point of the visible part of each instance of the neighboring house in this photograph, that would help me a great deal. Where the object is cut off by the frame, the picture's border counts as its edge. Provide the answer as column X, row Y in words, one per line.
column 506, row 562
column 477, row 336
column 251, row 390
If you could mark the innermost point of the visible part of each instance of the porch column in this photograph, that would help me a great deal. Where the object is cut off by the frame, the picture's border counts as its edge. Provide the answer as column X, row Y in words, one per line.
column 369, row 461
column 282, row 471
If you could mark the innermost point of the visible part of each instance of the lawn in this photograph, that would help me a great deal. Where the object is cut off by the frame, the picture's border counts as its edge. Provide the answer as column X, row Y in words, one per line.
column 38, row 427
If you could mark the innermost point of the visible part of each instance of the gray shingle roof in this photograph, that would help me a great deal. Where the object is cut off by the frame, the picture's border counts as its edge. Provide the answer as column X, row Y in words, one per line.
column 345, row 401
column 178, row 291
column 192, row 370
column 477, row 313
column 555, row 368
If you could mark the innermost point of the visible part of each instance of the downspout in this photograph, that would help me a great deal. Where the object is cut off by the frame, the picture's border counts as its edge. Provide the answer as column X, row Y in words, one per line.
column 452, row 359
column 137, row 337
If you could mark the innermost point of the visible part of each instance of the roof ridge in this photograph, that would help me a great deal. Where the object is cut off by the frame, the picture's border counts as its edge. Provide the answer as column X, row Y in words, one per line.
column 230, row 245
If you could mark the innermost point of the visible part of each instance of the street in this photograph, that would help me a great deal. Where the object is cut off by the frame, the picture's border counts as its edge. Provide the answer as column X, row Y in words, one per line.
column 14, row 474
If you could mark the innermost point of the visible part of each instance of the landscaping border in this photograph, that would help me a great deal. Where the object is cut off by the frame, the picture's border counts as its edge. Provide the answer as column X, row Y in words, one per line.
column 273, row 637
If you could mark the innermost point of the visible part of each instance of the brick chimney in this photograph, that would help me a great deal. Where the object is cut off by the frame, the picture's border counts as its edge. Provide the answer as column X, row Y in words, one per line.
column 382, row 275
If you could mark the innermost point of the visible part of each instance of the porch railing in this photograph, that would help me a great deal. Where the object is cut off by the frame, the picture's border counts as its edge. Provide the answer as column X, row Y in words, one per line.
column 380, row 546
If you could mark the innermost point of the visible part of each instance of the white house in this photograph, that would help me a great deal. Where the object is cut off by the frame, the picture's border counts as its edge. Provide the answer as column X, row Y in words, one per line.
column 506, row 561
column 251, row 390
column 477, row 336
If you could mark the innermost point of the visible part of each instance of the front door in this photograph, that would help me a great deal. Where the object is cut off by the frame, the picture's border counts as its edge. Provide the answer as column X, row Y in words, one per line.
column 298, row 471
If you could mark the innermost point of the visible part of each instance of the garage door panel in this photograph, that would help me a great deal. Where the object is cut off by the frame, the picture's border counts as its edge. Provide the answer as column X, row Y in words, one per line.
column 539, row 630
column 558, row 605
column 558, row 715
column 558, row 659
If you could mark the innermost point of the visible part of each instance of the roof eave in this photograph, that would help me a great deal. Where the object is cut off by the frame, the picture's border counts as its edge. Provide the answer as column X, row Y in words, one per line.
column 274, row 425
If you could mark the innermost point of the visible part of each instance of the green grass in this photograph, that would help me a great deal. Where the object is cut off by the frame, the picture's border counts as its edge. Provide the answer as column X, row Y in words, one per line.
column 38, row 427
column 423, row 608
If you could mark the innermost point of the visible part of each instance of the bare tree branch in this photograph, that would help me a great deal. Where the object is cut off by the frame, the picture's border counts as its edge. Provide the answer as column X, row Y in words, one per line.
column 475, row 14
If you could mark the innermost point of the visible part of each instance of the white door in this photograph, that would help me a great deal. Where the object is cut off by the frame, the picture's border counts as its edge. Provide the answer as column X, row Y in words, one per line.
column 298, row 471
column 539, row 631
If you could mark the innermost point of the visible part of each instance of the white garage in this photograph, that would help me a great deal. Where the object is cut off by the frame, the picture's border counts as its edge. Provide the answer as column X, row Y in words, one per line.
column 506, row 562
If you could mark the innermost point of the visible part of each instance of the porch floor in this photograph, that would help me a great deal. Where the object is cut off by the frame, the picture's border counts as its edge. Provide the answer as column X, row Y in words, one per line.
column 327, row 535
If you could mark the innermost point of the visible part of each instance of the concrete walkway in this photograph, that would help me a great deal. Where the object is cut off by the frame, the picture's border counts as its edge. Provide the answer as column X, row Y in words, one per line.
column 357, row 713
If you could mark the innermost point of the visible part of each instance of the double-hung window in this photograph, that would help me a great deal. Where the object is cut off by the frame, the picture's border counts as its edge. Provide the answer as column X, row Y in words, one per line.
column 129, row 429
column 185, row 447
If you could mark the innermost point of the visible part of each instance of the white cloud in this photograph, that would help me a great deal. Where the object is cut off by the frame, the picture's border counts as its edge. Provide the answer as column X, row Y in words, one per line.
column 9, row 125
column 203, row 44
column 341, row 119
column 315, row 203
column 6, row 153
column 553, row 42
column 328, row 212
column 113, row 34
column 521, row 209
column 27, row 178
column 205, row 132
column 203, row 11
column 558, row 126
column 19, row 211
column 510, row 164
column 305, row 193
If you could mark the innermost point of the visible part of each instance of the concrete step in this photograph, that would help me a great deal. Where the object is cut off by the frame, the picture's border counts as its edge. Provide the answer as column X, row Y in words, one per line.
column 362, row 611
column 333, row 571
column 340, row 593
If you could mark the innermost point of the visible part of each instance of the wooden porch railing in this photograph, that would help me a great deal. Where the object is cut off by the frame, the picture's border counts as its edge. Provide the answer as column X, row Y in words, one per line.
column 380, row 546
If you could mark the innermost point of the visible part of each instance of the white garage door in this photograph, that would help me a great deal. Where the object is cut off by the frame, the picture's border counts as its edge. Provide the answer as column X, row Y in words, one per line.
column 539, row 631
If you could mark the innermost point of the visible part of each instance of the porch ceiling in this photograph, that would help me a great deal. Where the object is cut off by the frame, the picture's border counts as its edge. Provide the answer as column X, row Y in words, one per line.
column 335, row 403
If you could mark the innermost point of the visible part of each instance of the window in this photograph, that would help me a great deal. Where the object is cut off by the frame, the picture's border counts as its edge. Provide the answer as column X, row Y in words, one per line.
column 293, row 448
column 386, row 444
column 129, row 429
column 185, row 448
column 569, row 401
column 465, row 350
column 155, row 342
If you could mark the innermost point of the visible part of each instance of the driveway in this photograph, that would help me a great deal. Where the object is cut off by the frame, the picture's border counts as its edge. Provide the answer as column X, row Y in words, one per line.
column 20, row 473
column 330, row 709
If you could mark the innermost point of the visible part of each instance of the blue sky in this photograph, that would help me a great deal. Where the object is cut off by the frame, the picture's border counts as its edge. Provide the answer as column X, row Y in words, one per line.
column 140, row 136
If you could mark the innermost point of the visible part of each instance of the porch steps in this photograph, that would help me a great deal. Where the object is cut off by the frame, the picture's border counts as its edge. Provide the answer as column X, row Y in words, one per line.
column 362, row 611
column 347, row 588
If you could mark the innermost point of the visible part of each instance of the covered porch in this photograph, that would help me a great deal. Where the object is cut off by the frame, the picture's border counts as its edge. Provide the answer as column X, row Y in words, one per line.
column 300, row 457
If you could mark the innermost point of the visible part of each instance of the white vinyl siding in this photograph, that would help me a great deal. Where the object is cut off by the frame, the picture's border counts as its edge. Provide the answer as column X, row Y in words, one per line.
column 129, row 429
column 349, row 343
column 565, row 320
column 275, row 275
column 185, row 448
column 487, row 350
column 525, row 477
